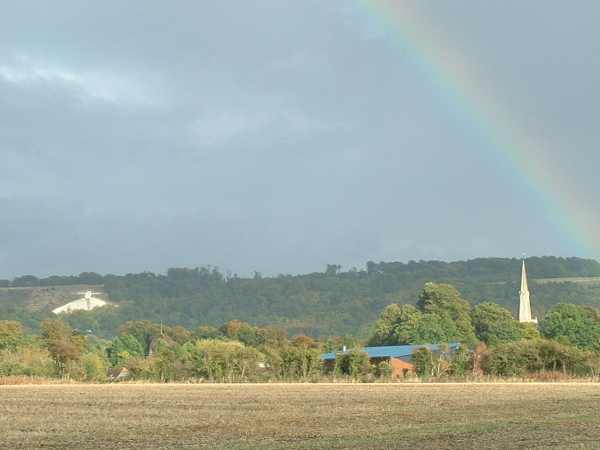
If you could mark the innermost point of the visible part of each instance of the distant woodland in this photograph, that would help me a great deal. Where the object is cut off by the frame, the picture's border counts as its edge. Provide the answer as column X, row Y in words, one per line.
column 329, row 303
column 487, row 342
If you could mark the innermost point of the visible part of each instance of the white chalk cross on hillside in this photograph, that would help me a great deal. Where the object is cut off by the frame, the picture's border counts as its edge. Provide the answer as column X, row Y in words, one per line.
column 87, row 303
column 88, row 296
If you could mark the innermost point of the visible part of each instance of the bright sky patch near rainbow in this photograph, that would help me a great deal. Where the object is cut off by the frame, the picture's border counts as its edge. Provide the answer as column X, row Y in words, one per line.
column 520, row 154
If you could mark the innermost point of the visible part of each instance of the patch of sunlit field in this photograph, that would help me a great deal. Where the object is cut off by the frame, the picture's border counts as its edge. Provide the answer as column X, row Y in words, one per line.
column 302, row 416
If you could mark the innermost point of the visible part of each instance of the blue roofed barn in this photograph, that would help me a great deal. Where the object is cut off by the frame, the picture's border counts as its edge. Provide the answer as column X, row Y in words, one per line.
column 399, row 356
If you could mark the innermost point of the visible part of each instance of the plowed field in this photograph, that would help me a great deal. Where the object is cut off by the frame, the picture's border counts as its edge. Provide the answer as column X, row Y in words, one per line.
column 411, row 416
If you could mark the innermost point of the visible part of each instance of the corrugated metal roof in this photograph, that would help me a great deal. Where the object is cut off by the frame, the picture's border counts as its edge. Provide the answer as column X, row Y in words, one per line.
column 394, row 351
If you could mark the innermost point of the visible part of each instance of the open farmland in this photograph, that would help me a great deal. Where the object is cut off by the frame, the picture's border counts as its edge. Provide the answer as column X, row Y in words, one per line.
column 411, row 416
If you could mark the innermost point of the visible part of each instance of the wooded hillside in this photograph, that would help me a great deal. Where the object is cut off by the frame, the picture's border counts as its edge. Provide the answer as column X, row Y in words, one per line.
column 332, row 302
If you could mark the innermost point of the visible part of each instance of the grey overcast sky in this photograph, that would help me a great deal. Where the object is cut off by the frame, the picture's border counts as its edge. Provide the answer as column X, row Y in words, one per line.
column 280, row 136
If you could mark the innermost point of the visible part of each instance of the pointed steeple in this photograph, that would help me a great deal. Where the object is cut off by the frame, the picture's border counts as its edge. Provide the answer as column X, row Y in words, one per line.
column 524, row 285
column 524, row 301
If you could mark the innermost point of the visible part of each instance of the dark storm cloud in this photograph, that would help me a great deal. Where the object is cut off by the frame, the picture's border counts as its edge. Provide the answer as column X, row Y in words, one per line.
column 271, row 136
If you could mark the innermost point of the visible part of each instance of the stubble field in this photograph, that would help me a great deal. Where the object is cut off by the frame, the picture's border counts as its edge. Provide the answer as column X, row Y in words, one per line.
column 412, row 416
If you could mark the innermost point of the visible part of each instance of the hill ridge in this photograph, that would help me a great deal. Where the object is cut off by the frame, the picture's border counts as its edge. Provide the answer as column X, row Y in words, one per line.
column 331, row 302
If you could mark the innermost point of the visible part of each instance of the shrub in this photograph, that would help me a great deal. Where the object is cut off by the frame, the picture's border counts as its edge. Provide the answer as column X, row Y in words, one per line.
column 383, row 370
column 11, row 334
column 29, row 361
column 354, row 363
column 95, row 367
column 424, row 362
column 461, row 362
column 540, row 355
column 224, row 360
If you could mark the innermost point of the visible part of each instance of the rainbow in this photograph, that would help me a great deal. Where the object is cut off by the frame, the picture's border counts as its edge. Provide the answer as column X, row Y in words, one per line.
column 514, row 148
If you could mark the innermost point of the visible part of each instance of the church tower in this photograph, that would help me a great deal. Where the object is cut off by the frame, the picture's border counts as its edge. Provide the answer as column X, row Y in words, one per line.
column 524, row 303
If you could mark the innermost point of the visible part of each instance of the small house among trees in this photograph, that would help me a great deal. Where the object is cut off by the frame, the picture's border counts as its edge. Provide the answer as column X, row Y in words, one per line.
column 397, row 357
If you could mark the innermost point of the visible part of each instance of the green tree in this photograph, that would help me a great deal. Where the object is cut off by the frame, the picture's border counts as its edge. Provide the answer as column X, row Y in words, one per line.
column 95, row 367
column 397, row 325
column 513, row 358
column 273, row 361
column 573, row 324
column 166, row 360
column 30, row 360
column 530, row 356
column 143, row 330
column 354, row 363
column 441, row 316
column 529, row 331
column 247, row 362
column 299, row 361
column 11, row 334
column 122, row 348
column 445, row 301
column 434, row 329
column 243, row 332
column 208, row 332
column 224, row 360
column 461, row 362
column 494, row 324
column 423, row 359
column 179, row 334
column 308, row 304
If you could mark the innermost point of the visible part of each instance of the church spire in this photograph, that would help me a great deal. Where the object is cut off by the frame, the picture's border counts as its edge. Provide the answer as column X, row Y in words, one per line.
column 524, row 301
column 524, row 285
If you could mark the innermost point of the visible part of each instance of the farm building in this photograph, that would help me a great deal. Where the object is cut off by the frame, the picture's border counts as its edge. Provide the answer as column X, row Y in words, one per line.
column 399, row 356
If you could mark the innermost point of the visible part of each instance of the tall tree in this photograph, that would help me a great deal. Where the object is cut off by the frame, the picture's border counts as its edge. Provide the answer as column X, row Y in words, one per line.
column 444, row 301
column 573, row 324
column 123, row 348
column 11, row 334
column 494, row 324
column 64, row 344
column 397, row 324
column 441, row 315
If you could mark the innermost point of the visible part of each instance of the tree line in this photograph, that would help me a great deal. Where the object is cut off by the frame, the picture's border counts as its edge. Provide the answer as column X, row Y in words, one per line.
column 331, row 302
column 566, row 341
column 493, row 343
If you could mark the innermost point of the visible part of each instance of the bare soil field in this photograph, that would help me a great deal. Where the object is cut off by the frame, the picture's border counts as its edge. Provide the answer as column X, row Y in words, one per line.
column 301, row 416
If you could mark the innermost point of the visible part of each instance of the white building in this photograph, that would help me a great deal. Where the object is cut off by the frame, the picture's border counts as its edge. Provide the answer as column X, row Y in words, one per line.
column 524, row 302
column 87, row 303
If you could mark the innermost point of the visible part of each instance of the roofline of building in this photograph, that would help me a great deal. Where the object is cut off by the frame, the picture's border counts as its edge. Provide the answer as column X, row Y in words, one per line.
column 391, row 351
